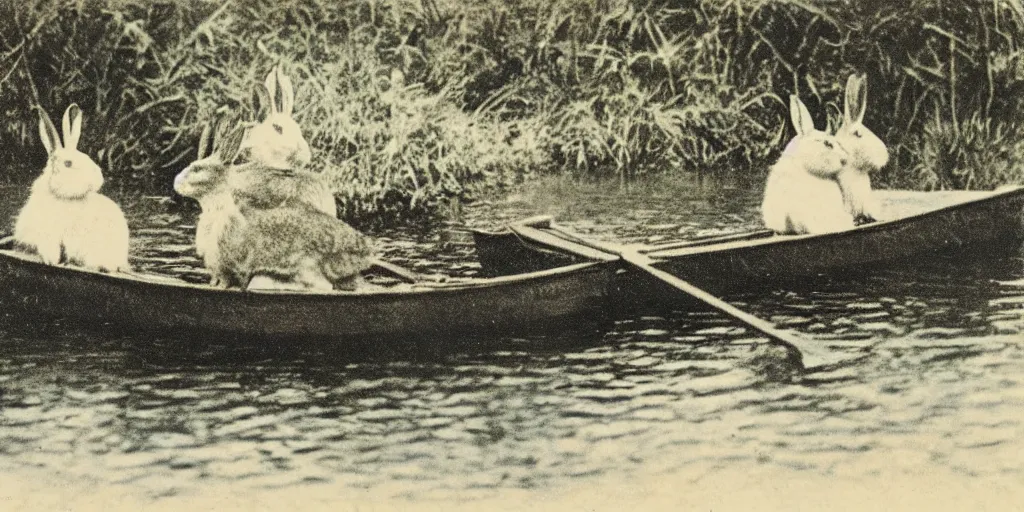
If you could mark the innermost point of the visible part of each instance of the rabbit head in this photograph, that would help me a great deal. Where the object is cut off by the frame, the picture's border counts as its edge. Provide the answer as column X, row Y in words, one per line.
column 69, row 173
column 209, row 173
column 816, row 151
column 277, row 141
column 867, row 152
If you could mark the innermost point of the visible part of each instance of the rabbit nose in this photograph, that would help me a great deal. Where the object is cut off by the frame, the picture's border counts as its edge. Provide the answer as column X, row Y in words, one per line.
column 180, row 178
column 301, row 157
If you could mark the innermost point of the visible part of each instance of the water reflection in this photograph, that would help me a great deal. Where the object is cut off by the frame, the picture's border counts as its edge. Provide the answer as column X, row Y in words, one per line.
column 666, row 393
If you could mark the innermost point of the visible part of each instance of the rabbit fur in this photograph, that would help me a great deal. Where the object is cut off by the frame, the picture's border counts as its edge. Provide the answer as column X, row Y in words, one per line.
column 66, row 219
column 277, row 140
column 291, row 247
column 867, row 152
column 801, row 194
column 275, row 154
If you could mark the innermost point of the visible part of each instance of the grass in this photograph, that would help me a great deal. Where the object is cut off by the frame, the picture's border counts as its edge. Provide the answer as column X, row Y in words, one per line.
column 414, row 105
column 976, row 153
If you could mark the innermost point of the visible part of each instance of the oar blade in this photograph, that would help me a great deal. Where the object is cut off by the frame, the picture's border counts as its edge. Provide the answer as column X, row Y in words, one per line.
column 813, row 354
column 817, row 357
column 809, row 355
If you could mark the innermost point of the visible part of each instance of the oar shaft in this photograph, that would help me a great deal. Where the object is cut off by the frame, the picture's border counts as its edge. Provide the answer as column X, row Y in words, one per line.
column 644, row 262
column 811, row 355
column 397, row 271
column 763, row 326
column 544, row 222
column 707, row 240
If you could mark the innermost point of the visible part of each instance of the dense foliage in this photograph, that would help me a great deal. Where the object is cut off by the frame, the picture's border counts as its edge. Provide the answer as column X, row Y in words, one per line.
column 410, row 103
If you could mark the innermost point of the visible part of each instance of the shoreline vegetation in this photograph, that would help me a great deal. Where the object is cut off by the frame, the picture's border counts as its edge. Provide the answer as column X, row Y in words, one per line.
column 413, row 105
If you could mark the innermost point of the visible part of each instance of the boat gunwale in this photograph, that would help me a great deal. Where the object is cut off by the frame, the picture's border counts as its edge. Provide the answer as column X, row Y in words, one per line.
column 167, row 282
column 997, row 195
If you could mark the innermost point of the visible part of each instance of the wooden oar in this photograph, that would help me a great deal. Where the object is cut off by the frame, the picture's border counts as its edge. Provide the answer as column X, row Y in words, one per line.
column 812, row 355
column 697, row 241
column 707, row 240
column 400, row 272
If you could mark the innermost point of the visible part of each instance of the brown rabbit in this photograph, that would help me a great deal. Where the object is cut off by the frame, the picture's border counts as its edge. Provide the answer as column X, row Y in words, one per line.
column 296, row 248
column 256, row 185
column 292, row 247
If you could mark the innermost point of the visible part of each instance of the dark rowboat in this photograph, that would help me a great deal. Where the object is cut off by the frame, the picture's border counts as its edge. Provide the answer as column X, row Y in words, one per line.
column 154, row 303
column 562, row 280
column 923, row 223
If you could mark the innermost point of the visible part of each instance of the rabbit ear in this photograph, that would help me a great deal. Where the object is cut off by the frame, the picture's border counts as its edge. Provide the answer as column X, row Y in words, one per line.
column 801, row 117
column 834, row 121
column 72, row 125
column 217, row 135
column 856, row 99
column 263, row 107
column 273, row 91
column 287, row 93
column 205, row 142
column 231, row 144
column 48, row 132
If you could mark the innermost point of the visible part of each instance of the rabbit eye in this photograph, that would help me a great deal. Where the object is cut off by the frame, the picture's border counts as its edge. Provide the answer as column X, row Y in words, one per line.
column 857, row 134
column 278, row 129
column 828, row 144
column 67, row 163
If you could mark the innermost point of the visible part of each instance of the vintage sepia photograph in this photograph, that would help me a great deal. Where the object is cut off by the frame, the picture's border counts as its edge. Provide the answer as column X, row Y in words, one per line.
column 524, row 255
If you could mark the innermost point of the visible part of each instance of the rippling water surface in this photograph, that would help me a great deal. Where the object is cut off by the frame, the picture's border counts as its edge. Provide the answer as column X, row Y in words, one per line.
column 668, row 396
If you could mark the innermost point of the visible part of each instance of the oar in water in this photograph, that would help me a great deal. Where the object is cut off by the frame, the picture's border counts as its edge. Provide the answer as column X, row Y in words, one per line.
column 812, row 355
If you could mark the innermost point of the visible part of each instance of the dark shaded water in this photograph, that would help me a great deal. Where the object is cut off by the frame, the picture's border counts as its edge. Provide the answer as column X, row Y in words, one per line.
column 669, row 396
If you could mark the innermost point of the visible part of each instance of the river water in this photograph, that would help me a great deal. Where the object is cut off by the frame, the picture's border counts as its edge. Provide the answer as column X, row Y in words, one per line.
column 649, row 407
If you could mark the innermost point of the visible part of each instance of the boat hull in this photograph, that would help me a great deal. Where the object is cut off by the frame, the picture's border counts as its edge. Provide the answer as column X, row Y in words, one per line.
column 929, row 224
column 524, row 302
column 994, row 222
column 504, row 253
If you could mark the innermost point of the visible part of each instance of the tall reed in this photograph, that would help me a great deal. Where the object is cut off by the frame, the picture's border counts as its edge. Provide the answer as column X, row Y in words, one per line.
column 411, row 104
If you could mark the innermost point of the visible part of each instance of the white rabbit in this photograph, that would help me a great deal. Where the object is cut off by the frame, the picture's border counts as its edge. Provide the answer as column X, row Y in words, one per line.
column 65, row 218
column 867, row 153
column 277, row 140
column 802, row 194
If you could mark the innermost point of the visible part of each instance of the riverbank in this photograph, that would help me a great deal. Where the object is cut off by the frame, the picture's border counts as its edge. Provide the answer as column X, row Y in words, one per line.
column 413, row 106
